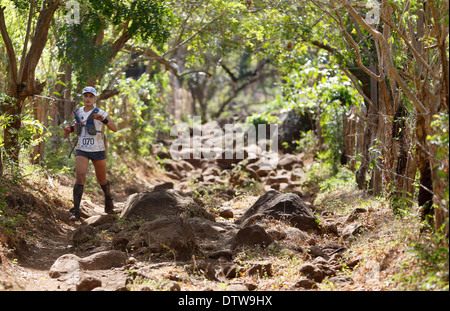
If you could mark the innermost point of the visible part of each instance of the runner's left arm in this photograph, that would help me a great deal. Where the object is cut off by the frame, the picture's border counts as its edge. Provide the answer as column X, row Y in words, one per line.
column 107, row 121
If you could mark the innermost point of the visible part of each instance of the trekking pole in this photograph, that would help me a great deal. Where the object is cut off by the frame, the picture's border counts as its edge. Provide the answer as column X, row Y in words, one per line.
column 71, row 147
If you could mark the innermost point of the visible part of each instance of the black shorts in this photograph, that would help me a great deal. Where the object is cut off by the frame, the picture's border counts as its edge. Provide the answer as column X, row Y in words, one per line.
column 94, row 156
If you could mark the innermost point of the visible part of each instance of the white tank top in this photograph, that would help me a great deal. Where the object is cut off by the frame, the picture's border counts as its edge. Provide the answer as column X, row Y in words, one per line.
column 86, row 141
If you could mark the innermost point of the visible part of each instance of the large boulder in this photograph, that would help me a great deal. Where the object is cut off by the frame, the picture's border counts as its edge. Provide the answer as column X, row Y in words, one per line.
column 289, row 207
column 163, row 202
column 289, row 161
column 291, row 128
column 71, row 264
column 104, row 260
column 169, row 233
column 83, row 234
column 64, row 266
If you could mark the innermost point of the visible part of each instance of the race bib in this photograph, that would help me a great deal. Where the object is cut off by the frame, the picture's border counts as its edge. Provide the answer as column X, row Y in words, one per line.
column 87, row 142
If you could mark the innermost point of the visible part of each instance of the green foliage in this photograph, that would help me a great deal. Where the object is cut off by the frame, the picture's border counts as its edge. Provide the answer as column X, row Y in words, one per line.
column 141, row 19
column 9, row 220
column 343, row 178
column 318, row 88
column 24, row 5
column 430, row 259
column 147, row 18
column 337, row 102
column 262, row 118
column 149, row 116
column 57, row 160
column 76, row 48
column 308, row 143
column 30, row 134
column 440, row 125
column 441, row 141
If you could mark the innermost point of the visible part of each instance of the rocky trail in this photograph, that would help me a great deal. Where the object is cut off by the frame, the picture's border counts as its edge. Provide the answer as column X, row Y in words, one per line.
column 205, row 225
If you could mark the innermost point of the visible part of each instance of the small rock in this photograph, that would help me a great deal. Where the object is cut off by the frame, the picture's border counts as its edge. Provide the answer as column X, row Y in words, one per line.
column 237, row 287
column 226, row 213
column 326, row 270
column 277, row 235
column 312, row 272
column 166, row 185
column 251, row 286
column 316, row 251
column 252, row 235
column 230, row 271
column 353, row 263
column 82, row 234
column 261, row 270
column 88, row 284
column 352, row 230
column 355, row 214
column 340, row 280
column 174, row 287
column 276, row 180
column 330, row 228
column 226, row 254
column 98, row 220
column 306, row 284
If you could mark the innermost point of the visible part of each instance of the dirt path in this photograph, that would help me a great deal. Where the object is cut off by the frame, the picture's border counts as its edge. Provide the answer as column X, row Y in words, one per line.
column 32, row 273
column 296, row 260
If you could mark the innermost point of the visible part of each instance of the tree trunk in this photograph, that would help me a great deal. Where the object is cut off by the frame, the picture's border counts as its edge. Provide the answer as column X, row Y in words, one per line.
column 369, row 136
column 319, row 128
column 400, row 196
column 378, row 162
column 350, row 125
column 40, row 114
column 66, row 102
column 425, row 197
column 11, row 131
column 23, row 83
column 360, row 130
column 1, row 163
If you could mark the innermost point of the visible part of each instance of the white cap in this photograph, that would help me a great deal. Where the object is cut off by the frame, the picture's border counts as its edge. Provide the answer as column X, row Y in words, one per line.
column 90, row 89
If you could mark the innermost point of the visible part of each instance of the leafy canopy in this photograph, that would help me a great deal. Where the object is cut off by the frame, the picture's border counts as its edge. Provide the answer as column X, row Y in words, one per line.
column 118, row 21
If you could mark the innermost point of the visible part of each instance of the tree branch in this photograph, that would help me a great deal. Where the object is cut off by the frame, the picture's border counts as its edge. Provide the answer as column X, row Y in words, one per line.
column 192, row 36
column 228, row 71
column 355, row 47
column 235, row 93
column 38, row 43
column 10, row 53
column 152, row 55
column 107, row 94
column 27, row 37
column 119, row 43
column 411, row 48
column 387, row 56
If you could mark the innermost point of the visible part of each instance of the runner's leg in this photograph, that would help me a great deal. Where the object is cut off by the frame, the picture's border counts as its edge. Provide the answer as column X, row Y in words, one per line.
column 81, row 166
column 100, row 172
